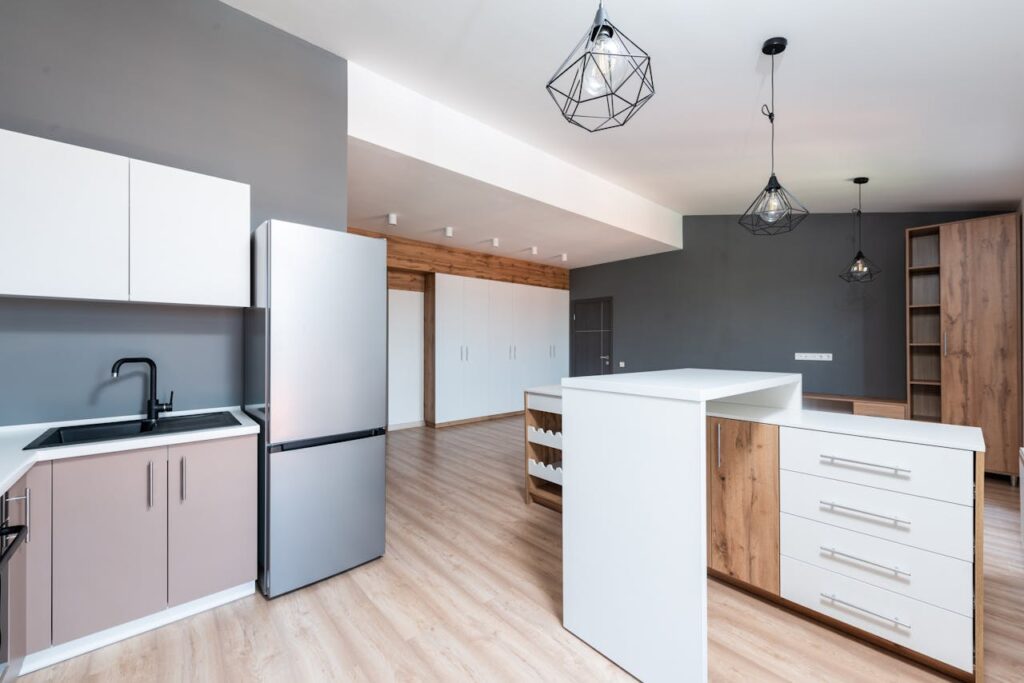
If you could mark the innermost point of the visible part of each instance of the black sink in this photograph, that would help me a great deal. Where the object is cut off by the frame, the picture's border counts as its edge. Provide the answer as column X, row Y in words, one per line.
column 111, row 431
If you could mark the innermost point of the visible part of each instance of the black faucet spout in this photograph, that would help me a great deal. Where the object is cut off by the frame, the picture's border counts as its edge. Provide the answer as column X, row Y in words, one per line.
column 153, row 407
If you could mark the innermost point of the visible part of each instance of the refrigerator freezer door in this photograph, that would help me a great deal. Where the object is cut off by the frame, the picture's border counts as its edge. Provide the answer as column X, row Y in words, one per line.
column 328, row 333
column 326, row 511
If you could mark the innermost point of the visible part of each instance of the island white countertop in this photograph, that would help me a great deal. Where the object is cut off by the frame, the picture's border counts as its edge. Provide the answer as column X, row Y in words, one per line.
column 15, row 461
column 889, row 429
column 686, row 384
column 553, row 390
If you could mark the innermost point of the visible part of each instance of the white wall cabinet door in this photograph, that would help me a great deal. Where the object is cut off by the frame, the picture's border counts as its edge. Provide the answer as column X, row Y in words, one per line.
column 530, row 347
column 475, row 366
column 558, row 333
column 449, row 349
column 63, row 221
column 501, row 336
column 189, row 237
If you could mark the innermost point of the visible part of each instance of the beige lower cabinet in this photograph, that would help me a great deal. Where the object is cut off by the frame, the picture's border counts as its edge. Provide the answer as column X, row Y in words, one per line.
column 211, row 521
column 29, row 504
column 109, row 540
column 135, row 532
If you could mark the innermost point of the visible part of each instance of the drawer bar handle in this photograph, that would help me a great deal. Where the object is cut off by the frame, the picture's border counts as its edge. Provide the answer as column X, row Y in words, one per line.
column 839, row 553
column 836, row 506
column 833, row 459
column 895, row 622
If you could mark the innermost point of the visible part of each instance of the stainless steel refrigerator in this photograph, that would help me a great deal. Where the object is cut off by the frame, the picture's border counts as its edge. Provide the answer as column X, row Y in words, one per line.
column 316, row 381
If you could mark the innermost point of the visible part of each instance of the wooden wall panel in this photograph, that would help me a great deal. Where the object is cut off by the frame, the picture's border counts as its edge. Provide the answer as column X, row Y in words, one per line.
column 406, row 279
column 409, row 255
column 428, row 350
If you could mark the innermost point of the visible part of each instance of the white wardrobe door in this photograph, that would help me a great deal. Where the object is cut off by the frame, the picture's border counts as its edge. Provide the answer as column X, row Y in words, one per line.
column 531, row 356
column 449, row 349
column 500, row 337
column 189, row 237
column 558, row 333
column 475, row 367
column 63, row 221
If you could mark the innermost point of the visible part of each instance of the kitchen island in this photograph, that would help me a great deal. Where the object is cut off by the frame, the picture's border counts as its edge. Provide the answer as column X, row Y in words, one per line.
column 892, row 509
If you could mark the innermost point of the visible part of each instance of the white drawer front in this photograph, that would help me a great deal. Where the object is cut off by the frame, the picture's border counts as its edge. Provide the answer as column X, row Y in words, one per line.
column 936, row 579
column 932, row 631
column 929, row 471
column 547, row 404
column 928, row 524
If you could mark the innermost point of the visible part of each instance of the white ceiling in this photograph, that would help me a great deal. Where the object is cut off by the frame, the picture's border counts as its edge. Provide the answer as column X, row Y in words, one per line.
column 427, row 198
column 924, row 96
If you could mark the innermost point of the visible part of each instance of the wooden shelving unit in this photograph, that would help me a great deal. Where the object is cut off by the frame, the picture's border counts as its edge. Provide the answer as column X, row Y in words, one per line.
column 924, row 311
column 542, row 417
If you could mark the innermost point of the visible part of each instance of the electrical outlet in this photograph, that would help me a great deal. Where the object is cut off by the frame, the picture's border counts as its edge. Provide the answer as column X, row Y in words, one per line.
column 813, row 356
column 622, row 363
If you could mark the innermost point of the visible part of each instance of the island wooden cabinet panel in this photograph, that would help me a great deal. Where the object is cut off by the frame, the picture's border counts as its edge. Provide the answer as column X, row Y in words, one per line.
column 29, row 503
column 211, row 522
column 109, row 540
column 743, row 501
column 981, row 346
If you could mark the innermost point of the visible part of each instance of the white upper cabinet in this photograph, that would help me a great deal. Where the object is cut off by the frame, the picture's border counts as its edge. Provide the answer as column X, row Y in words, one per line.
column 80, row 224
column 189, row 237
column 63, row 220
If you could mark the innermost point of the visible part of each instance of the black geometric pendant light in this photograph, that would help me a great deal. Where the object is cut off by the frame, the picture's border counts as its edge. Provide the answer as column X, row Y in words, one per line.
column 605, row 79
column 861, row 268
column 775, row 210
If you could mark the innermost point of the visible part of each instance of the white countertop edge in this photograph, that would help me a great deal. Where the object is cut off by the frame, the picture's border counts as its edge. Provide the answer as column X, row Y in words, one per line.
column 908, row 431
column 15, row 462
column 684, row 384
column 554, row 390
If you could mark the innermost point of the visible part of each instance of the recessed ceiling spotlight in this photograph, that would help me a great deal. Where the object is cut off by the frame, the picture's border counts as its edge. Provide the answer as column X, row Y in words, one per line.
column 564, row 257
column 533, row 250
column 392, row 219
column 449, row 231
column 495, row 242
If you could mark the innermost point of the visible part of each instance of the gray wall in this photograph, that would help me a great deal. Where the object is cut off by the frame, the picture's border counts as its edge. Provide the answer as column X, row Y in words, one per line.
column 732, row 300
column 193, row 84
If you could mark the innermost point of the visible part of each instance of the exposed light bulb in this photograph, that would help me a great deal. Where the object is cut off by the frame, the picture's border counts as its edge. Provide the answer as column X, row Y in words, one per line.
column 606, row 67
column 772, row 206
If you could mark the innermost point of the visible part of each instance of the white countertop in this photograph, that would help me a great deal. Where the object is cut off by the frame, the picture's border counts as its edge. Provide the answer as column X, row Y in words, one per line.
column 547, row 390
column 15, row 462
column 910, row 431
column 687, row 384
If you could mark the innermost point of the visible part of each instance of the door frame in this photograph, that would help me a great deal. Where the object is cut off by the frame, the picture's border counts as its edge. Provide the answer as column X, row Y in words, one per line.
column 572, row 330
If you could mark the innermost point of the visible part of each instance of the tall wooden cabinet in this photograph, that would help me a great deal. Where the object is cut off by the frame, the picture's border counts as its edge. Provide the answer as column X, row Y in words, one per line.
column 743, row 501
column 964, row 330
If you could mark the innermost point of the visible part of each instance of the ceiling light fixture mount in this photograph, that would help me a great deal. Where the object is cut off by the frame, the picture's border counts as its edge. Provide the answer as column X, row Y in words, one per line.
column 605, row 80
column 861, row 268
column 775, row 210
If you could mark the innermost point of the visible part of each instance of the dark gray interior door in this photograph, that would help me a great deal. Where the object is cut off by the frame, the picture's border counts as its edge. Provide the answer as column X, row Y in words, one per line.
column 592, row 337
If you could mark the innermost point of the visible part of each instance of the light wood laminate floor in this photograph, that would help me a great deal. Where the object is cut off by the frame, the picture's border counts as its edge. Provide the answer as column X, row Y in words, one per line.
column 470, row 589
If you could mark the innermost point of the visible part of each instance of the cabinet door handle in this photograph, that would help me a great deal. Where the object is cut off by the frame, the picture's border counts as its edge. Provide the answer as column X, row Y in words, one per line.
column 833, row 459
column 184, row 475
column 718, row 441
column 895, row 622
column 839, row 553
column 945, row 343
column 836, row 506
column 27, row 499
column 149, row 485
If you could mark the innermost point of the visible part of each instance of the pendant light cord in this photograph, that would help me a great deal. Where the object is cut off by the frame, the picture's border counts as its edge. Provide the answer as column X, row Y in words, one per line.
column 770, row 113
column 860, row 236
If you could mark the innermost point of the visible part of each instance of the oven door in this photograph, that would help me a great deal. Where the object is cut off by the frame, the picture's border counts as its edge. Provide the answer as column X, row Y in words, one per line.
column 12, row 603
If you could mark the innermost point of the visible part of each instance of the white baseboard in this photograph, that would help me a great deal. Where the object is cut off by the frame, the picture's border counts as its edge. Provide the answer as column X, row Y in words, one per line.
column 406, row 425
column 94, row 641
